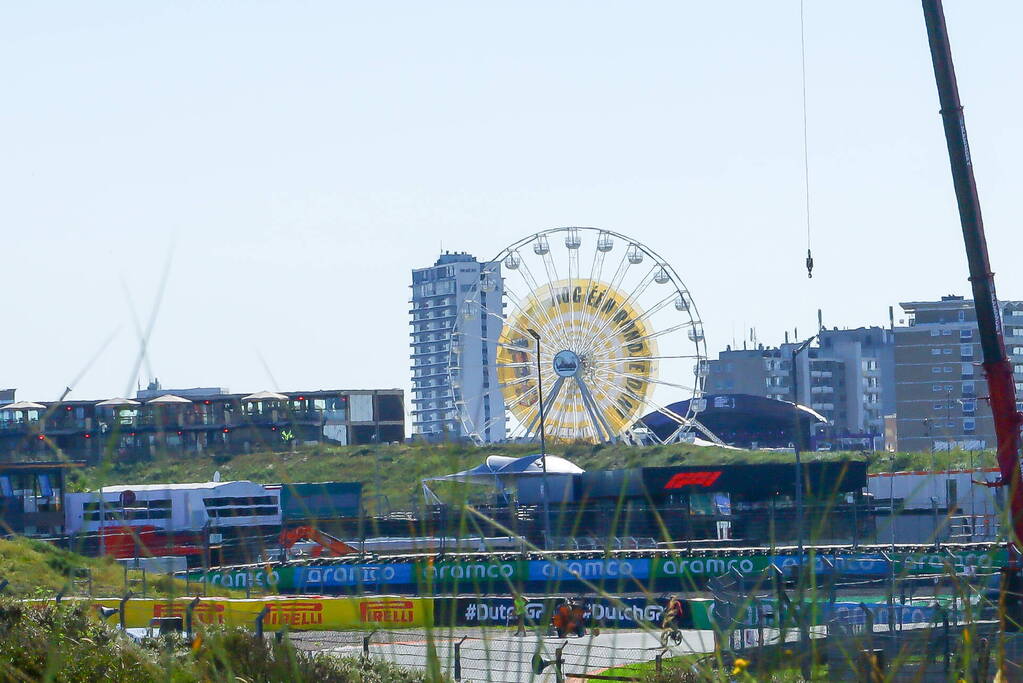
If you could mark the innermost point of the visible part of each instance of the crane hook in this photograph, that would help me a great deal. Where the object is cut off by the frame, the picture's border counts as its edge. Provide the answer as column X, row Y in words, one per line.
column 809, row 264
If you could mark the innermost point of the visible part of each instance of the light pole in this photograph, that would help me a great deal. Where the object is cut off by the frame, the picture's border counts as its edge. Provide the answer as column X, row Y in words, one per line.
column 543, row 445
column 798, row 437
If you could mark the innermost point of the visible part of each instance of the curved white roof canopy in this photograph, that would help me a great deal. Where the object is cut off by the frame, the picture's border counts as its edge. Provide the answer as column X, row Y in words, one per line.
column 503, row 466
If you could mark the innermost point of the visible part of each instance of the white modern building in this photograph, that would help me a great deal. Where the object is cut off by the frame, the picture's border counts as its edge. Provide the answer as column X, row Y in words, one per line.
column 453, row 295
column 937, row 506
column 174, row 507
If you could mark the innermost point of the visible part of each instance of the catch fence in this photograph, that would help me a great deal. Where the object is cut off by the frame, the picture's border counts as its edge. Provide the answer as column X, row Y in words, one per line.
column 499, row 655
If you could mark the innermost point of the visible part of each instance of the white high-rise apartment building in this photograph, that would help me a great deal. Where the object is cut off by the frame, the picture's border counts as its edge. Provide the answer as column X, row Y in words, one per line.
column 447, row 292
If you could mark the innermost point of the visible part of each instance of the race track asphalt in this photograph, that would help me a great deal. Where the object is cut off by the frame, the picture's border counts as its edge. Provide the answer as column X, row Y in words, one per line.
column 492, row 654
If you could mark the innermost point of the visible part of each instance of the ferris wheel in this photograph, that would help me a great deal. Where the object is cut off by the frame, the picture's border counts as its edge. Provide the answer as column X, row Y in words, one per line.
column 604, row 322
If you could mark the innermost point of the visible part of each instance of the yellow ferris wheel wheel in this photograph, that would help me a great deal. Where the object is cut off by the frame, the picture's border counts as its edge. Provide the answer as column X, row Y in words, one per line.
column 605, row 324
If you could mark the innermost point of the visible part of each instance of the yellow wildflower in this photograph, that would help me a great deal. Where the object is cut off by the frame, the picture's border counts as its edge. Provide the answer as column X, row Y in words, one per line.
column 740, row 666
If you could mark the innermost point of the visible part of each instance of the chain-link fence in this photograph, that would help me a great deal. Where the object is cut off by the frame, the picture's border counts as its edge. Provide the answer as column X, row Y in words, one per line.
column 498, row 655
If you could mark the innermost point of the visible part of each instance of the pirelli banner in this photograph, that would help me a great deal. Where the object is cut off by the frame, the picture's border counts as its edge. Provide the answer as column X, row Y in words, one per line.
column 296, row 614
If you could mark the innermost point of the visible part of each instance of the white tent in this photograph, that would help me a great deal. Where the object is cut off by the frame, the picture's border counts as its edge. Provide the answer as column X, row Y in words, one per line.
column 23, row 405
column 500, row 470
column 117, row 403
column 168, row 399
column 264, row 396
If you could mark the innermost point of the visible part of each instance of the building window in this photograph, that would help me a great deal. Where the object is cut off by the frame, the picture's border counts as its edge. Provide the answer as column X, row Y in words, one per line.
column 966, row 350
column 969, row 388
column 969, row 406
column 946, row 333
column 936, row 370
column 969, row 424
column 939, row 405
column 935, row 332
column 948, row 351
column 961, row 316
column 967, row 369
column 935, row 352
column 966, row 334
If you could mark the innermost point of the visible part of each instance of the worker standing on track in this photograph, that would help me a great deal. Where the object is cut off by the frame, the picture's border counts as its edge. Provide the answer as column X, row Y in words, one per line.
column 519, row 604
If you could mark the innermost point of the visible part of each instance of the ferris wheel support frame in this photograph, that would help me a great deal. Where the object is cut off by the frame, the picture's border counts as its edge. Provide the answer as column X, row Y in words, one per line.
column 588, row 343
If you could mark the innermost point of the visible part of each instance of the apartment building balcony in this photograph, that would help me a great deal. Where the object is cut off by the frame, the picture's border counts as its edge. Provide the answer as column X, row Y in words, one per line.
column 822, row 390
column 419, row 354
column 440, row 363
column 434, row 372
column 823, row 374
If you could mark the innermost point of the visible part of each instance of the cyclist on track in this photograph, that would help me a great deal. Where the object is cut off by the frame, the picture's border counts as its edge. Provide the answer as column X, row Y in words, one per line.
column 673, row 614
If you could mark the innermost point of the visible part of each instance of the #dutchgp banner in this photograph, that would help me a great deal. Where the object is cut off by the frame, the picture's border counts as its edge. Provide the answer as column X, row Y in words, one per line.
column 626, row 613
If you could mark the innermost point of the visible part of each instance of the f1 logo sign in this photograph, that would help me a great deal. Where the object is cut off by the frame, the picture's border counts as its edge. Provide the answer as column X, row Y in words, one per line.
column 704, row 479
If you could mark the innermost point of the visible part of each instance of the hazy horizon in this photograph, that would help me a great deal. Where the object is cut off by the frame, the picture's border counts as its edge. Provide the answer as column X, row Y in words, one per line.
column 294, row 163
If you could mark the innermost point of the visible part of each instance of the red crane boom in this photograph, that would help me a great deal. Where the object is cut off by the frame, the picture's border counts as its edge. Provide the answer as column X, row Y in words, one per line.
column 997, row 368
column 289, row 537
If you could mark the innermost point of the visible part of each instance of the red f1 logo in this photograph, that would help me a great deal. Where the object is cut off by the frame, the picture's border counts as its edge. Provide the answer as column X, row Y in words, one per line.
column 704, row 479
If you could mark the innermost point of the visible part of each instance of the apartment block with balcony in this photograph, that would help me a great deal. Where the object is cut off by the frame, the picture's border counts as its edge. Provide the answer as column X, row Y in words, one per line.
column 847, row 377
column 456, row 289
column 939, row 383
column 199, row 420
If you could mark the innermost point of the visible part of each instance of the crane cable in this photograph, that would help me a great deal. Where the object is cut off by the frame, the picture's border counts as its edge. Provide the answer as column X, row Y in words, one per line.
column 806, row 152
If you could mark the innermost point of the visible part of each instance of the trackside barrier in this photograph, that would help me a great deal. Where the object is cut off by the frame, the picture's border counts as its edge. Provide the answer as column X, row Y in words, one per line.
column 293, row 614
column 657, row 572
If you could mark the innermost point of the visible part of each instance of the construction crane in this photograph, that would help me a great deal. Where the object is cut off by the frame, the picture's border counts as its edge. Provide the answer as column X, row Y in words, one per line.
column 996, row 364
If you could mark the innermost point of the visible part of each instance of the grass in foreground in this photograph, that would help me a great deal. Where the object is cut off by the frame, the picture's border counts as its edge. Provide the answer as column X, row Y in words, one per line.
column 39, row 569
column 69, row 644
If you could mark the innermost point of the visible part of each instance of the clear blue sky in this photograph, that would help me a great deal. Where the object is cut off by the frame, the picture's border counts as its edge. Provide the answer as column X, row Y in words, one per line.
column 301, row 157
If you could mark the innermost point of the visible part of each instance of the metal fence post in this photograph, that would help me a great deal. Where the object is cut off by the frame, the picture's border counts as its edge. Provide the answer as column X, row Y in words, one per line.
column 58, row 597
column 365, row 643
column 458, row 658
column 856, row 525
column 259, row 620
column 559, row 663
column 983, row 660
column 945, row 641
column 658, row 663
column 874, row 665
column 189, row 608
column 121, row 608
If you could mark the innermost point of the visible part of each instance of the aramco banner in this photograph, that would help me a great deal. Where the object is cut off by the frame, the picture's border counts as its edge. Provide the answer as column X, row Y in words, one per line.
column 299, row 614
column 489, row 577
